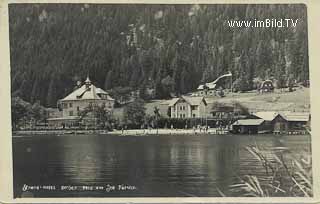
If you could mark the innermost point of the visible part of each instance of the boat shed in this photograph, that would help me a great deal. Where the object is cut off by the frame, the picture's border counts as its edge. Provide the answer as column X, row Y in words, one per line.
column 247, row 126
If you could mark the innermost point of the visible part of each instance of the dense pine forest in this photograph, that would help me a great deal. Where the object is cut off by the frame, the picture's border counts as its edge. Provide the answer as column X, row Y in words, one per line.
column 171, row 48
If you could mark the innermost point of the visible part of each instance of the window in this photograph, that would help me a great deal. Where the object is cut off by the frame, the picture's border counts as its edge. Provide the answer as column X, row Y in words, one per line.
column 70, row 113
column 194, row 107
column 65, row 105
column 194, row 115
column 184, row 115
column 70, row 105
column 78, row 109
column 180, row 115
column 183, row 107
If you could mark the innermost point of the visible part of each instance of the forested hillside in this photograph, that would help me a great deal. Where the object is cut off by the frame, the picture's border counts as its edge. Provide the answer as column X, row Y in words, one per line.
column 172, row 48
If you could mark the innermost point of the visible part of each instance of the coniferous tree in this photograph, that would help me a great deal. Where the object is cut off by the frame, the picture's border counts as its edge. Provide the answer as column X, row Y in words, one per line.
column 123, row 45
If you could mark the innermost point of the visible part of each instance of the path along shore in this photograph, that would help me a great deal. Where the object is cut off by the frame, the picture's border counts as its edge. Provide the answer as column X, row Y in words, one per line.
column 131, row 132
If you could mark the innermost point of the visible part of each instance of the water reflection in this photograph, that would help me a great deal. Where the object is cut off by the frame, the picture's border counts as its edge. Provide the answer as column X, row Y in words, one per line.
column 157, row 166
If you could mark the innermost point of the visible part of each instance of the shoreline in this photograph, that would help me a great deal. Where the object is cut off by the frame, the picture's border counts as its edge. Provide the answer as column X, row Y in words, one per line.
column 124, row 132
column 142, row 132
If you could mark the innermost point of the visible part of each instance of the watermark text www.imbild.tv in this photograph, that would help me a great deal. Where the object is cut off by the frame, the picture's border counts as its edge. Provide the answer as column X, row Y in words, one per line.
column 265, row 23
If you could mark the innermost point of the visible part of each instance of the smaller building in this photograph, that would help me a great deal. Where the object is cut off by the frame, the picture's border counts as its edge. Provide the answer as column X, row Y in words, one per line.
column 207, row 89
column 297, row 120
column 228, row 111
column 247, row 126
column 53, row 113
column 266, row 86
column 210, row 88
column 281, row 122
column 187, row 107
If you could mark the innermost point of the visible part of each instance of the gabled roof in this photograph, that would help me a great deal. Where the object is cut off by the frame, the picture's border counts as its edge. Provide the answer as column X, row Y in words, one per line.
column 194, row 101
column 267, row 81
column 173, row 101
column 210, row 85
column 83, row 93
column 266, row 115
column 263, row 84
column 249, row 122
column 296, row 117
column 288, row 116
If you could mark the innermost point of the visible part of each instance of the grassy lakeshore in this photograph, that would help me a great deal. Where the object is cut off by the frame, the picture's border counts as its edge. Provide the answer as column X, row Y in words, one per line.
column 279, row 100
column 296, row 101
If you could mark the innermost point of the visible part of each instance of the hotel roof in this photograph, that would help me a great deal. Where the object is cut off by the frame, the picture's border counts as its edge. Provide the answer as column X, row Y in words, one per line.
column 87, row 92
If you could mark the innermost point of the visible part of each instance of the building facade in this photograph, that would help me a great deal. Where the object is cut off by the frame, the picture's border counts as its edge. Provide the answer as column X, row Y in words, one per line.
column 86, row 95
column 188, row 107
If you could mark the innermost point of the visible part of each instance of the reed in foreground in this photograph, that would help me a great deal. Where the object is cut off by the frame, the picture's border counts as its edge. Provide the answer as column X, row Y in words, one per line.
column 283, row 176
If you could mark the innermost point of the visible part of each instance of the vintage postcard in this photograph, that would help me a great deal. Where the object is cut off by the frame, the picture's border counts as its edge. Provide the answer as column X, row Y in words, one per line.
column 160, row 101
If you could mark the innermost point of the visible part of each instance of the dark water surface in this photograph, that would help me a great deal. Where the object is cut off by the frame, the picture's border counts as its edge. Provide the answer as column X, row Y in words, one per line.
column 159, row 166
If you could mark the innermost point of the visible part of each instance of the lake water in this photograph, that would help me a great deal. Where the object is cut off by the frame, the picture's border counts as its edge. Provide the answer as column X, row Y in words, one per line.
column 157, row 166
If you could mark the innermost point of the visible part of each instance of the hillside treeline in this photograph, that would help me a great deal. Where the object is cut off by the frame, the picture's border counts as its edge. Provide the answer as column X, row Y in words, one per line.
column 171, row 48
